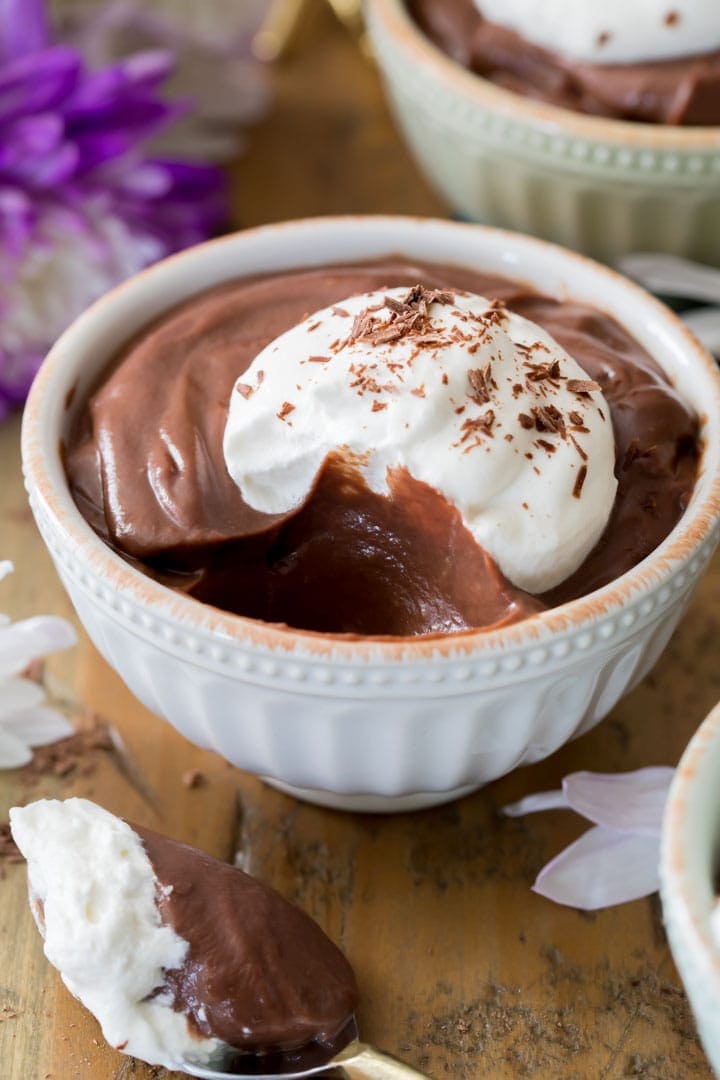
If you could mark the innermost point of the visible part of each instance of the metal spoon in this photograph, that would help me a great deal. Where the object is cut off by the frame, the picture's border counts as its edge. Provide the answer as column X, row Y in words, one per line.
column 670, row 275
column 357, row 1061
column 705, row 325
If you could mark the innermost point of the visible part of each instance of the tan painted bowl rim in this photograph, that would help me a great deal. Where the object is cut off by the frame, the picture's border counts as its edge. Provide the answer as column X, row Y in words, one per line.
column 400, row 26
column 47, row 486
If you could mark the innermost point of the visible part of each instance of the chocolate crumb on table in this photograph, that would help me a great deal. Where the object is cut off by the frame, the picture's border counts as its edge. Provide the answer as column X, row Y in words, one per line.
column 194, row 778
column 8, row 848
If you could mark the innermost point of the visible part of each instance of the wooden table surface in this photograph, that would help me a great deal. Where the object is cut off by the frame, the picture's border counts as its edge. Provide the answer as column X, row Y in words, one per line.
column 463, row 970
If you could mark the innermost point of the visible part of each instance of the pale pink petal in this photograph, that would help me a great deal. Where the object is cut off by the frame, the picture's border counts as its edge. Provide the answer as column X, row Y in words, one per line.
column 38, row 727
column 630, row 802
column 604, row 867
column 532, row 804
column 25, row 641
column 13, row 751
column 18, row 694
column 6, row 567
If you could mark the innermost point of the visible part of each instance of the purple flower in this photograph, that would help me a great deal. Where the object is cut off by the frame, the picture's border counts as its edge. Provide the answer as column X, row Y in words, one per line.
column 81, row 206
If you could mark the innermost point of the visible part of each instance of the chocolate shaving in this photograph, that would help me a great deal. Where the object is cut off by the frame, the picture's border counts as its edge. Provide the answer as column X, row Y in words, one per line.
column 579, row 481
column 378, row 406
column 319, row 359
column 578, row 447
column 478, row 425
column 548, row 446
column 285, row 409
column 526, row 421
column 548, row 418
column 482, row 382
column 582, row 386
column 408, row 317
column 75, row 754
column 539, row 372
column 341, row 312
column 245, row 389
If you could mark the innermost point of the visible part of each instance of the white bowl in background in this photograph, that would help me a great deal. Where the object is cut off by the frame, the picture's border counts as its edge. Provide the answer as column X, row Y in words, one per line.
column 363, row 724
column 604, row 187
column 689, row 865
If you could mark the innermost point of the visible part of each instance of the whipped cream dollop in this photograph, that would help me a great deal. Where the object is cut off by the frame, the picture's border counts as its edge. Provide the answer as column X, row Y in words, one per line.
column 93, row 894
column 475, row 401
column 614, row 31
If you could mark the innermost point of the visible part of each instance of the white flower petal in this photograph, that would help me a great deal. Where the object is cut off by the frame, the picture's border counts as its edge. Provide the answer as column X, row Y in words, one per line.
column 6, row 567
column 25, row 641
column 18, row 694
column 630, row 802
column 532, row 804
column 604, row 867
column 13, row 751
column 38, row 727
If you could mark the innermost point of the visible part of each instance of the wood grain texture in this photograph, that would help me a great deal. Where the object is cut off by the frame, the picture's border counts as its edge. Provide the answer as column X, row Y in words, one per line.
column 463, row 970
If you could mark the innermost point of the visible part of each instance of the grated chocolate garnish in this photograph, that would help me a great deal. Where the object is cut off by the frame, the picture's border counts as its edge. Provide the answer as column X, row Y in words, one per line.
column 285, row 409
column 578, row 447
column 482, row 382
column 579, row 481
column 408, row 317
column 378, row 406
column 244, row 389
column 526, row 421
column 539, row 372
column 549, row 418
column 548, row 446
column 478, row 425
column 583, row 386
column 319, row 359
column 341, row 312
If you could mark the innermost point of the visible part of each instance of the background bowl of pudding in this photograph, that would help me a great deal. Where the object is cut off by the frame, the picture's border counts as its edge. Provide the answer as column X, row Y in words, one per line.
column 690, row 880
column 362, row 722
column 602, row 186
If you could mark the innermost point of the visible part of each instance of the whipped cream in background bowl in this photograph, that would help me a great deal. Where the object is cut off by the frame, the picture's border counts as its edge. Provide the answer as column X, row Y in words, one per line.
column 600, row 185
column 614, row 31
column 390, row 724
column 690, row 878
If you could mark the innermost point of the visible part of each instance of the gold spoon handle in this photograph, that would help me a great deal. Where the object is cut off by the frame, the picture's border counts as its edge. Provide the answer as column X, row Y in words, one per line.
column 367, row 1063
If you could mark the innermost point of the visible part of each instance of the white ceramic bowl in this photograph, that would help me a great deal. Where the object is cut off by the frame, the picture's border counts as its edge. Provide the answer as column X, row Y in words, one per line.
column 361, row 724
column 689, row 865
column 604, row 187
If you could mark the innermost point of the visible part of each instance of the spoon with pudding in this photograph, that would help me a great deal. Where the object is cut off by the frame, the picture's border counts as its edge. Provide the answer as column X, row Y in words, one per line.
column 186, row 961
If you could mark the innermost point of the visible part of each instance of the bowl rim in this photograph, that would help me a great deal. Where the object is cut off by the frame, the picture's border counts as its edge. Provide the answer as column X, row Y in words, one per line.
column 683, row 910
column 694, row 527
column 397, row 21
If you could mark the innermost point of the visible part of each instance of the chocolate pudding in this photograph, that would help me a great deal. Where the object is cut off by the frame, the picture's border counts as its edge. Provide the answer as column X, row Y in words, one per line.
column 146, row 466
column 681, row 90
column 259, row 974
